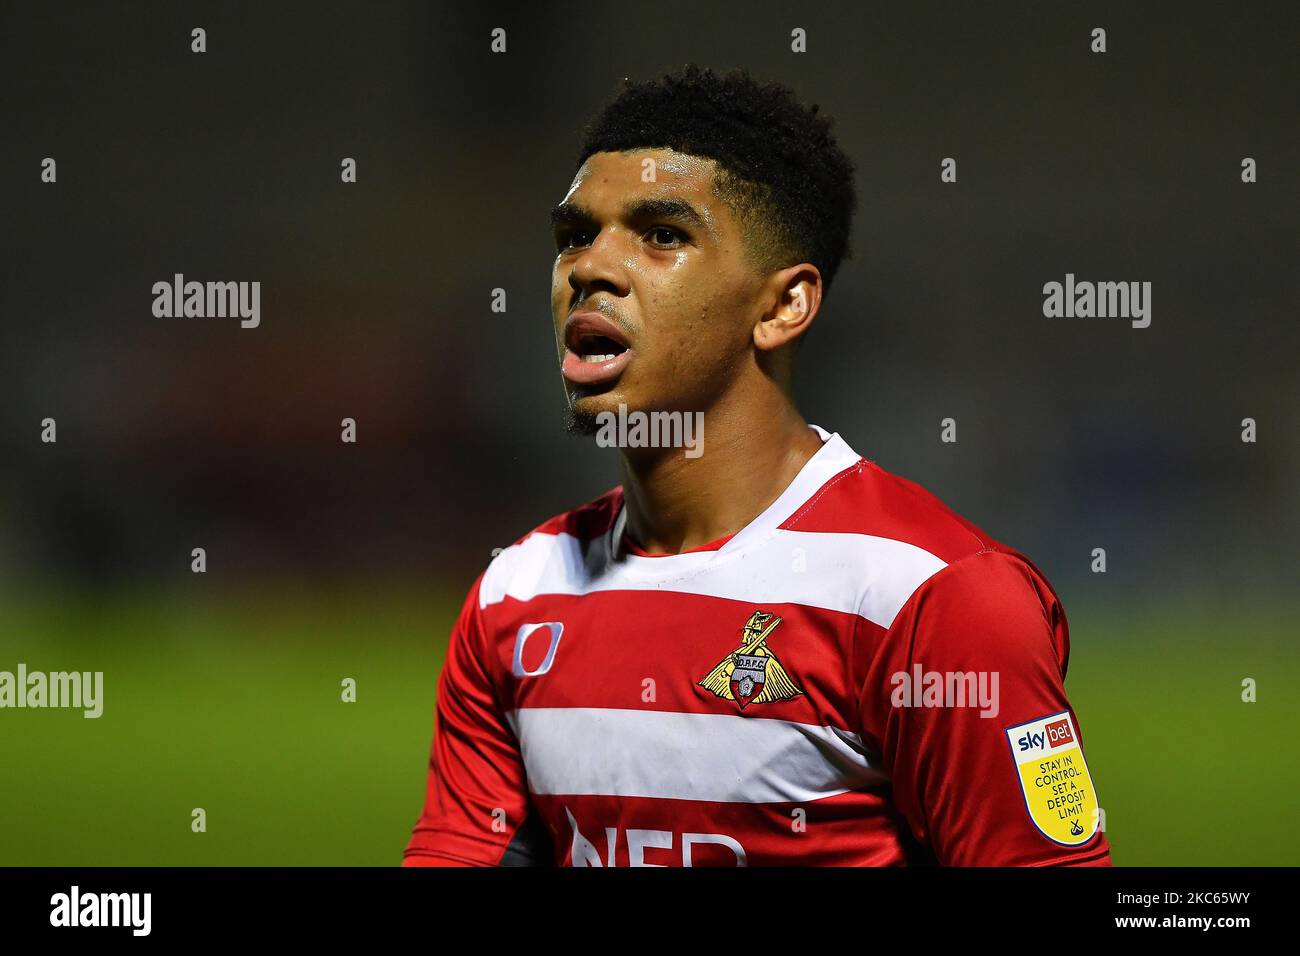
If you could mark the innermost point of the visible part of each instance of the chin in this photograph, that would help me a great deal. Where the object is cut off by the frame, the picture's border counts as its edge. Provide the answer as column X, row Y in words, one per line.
column 584, row 409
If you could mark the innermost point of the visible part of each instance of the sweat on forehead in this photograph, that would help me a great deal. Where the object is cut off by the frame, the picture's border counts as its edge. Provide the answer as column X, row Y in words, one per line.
column 685, row 190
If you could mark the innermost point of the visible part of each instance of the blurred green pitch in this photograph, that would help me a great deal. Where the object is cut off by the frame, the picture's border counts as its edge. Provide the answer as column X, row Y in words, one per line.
column 233, row 704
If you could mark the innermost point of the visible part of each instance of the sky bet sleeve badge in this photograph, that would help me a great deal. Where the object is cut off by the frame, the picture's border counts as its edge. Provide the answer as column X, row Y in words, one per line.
column 1054, row 778
column 752, row 674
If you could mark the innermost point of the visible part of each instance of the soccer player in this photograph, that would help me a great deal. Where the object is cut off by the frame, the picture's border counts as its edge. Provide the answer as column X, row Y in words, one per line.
column 763, row 649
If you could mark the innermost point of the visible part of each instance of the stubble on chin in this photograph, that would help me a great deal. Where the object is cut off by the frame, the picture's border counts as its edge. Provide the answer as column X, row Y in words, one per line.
column 578, row 422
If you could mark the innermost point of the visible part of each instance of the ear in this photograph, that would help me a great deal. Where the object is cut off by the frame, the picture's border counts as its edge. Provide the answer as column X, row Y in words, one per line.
column 796, row 295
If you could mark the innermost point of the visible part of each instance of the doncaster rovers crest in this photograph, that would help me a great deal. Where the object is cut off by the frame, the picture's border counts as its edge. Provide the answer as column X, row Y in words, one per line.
column 751, row 674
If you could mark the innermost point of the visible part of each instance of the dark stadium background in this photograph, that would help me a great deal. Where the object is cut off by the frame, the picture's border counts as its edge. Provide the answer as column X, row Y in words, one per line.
column 328, row 561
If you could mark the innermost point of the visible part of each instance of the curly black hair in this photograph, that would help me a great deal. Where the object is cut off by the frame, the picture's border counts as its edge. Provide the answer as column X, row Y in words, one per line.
column 780, row 170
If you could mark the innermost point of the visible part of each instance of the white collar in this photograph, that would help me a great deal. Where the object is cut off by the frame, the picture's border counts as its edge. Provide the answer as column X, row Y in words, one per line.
column 833, row 457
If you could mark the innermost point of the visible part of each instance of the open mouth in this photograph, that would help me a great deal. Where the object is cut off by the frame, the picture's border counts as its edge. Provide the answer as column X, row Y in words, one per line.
column 596, row 350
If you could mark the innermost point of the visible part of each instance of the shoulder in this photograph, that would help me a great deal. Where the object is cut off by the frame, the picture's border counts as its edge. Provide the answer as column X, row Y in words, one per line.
column 929, row 576
column 558, row 542
column 889, row 534
column 865, row 499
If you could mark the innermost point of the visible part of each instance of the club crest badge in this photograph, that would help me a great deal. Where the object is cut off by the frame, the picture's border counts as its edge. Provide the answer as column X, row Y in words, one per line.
column 751, row 674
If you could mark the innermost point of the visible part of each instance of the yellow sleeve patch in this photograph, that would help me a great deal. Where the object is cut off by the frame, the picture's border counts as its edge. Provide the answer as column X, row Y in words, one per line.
column 1054, row 778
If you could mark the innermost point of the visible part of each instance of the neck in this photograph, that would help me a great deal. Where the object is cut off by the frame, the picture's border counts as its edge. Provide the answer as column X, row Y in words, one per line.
column 751, row 455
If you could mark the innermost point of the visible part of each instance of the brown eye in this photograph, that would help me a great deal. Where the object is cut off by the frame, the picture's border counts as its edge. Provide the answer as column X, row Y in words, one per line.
column 571, row 240
column 659, row 232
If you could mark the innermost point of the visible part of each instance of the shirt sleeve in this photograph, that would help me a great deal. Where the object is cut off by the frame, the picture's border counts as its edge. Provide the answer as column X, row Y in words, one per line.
column 476, row 799
column 957, row 781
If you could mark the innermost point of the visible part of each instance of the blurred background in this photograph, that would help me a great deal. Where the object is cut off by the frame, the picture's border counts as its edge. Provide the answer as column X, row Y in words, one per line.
column 328, row 560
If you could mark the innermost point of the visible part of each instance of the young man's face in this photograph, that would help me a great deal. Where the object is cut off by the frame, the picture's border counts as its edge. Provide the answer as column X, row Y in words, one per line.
column 652, row 297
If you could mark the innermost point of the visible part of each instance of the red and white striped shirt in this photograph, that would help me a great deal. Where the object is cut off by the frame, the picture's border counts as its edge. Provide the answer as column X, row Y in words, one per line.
column 759, row 701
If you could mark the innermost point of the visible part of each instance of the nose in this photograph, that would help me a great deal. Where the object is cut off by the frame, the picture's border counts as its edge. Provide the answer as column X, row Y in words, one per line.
column 600, row 267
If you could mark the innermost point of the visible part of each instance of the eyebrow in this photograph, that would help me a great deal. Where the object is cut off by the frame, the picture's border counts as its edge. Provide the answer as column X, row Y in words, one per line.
column 670, row 210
